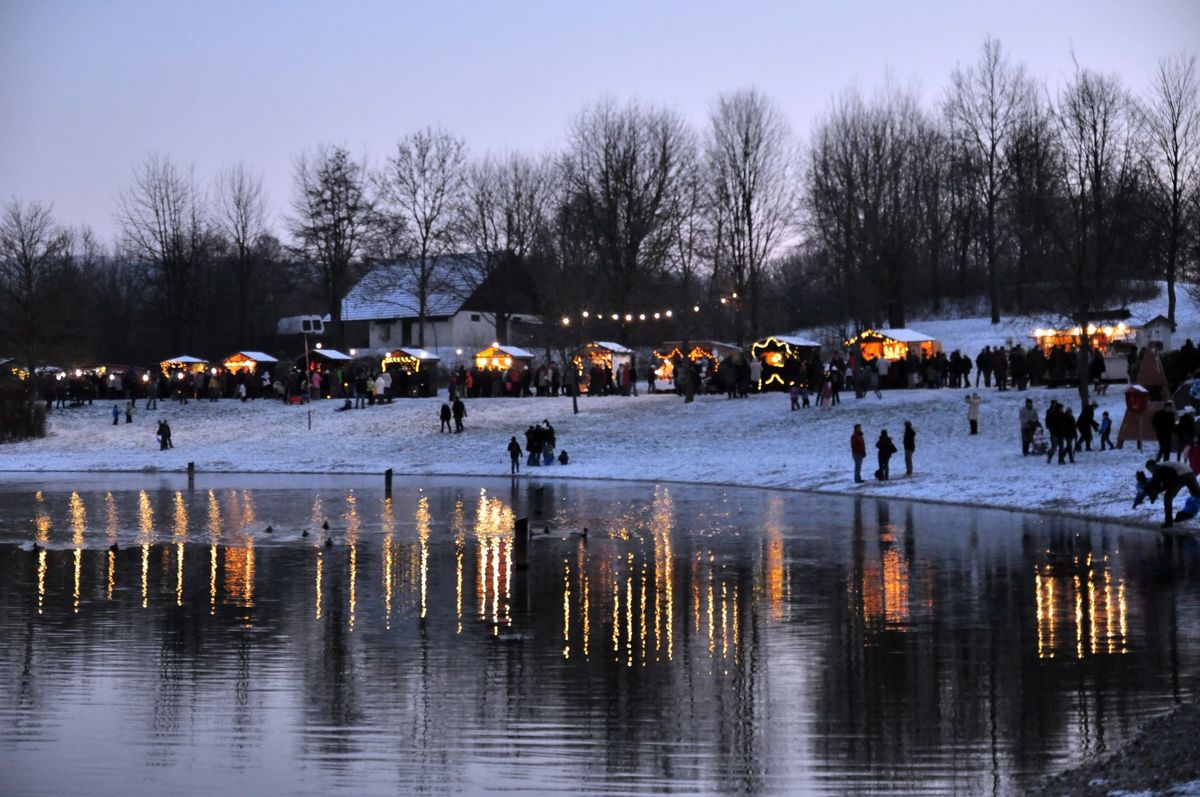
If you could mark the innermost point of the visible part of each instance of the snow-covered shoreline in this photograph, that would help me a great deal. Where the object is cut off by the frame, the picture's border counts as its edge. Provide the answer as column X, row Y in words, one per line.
column 754, row 442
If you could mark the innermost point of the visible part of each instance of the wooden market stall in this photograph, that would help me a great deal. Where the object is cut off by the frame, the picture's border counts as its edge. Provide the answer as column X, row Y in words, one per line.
column 893, row 344
column 323, row 359
column 710, row 351
column 412, row 371
column 782, row 358
column 1101, row 336
column 600, row 354
column 248, row 362
column 183, row 364
column 497, row 356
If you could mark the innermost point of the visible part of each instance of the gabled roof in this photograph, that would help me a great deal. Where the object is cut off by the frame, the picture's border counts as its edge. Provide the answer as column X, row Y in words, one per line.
column 608, row 345
column 420, row 354
column 905, row 335
column 186, row 359
column 257, row 356
column 511, row 351
column 791, row 340
column 330, row 354
column 390, row 289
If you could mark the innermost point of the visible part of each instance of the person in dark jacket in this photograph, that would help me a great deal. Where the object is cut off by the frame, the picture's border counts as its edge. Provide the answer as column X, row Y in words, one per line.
column 514, row 454
column 164, row 436
column 445, row 416
column 886, row 448
column 1086, row 424
column 1053, row 429
column 459, row 410
column 1185, row 431
column 1069, row 434
column 1163, row 422
column 910, row 445
column 1166, row 478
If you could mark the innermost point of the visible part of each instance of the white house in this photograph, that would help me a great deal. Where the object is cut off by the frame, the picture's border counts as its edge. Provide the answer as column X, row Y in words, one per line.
column 458, row 313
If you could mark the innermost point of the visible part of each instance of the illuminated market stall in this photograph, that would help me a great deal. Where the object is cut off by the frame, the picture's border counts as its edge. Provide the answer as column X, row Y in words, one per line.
column 1101, row 336
column 782, row 358
column 183, row 364
column 711, row 352
column 248, row 362
column 893, row 344
column 323, row 359
column 412, row 371
column 497, row 356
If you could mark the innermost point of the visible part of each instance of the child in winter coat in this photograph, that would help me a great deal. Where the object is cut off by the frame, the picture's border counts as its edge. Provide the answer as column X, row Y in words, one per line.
column 563, row 459
column 1037, row 443
column 116, row 413
column 1105, row 431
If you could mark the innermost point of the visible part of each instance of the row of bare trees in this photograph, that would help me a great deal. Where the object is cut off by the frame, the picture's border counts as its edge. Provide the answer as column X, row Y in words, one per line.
column 1002, row 192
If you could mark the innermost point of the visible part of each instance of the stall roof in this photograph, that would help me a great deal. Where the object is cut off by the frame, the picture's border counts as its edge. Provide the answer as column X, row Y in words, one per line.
column 511, row 351
column 615, row 348
column 420, row 354
column 257, row 356
column 331, row 354
column 905, row 335
column 186, row 359
column 792, row 340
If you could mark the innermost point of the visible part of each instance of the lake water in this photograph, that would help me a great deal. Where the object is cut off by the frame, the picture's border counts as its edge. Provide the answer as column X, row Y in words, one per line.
column 156, row 639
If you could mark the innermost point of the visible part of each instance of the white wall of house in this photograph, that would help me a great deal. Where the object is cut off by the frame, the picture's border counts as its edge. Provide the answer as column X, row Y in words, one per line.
column 465, row 329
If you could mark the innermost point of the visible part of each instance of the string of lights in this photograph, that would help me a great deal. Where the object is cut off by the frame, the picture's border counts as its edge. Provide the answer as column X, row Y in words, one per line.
column 629, row 318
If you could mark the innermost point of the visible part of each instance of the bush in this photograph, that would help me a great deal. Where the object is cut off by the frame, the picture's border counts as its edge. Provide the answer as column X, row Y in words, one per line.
column 21, row 417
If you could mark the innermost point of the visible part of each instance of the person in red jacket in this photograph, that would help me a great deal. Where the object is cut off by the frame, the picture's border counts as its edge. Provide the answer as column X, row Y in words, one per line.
column 858, row 450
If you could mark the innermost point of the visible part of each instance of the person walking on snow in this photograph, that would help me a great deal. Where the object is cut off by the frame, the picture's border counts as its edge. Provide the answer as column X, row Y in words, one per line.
column 128, row 412
column 858, row 450
column 1029, row 421
column 973, row 402
column 116, row 413
column 886, row 448
column 910, row 445
column 514, row 454
column 459, row 411
column 1163, row 422
column 445, row 417
column 1105, row 431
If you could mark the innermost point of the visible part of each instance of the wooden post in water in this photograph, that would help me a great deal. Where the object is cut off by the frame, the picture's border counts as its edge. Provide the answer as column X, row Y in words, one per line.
column 387, row 482
column 521, row 544
column 191, row 471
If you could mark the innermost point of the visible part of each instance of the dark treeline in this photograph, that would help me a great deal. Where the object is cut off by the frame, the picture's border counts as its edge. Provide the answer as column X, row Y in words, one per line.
column 1002, row 195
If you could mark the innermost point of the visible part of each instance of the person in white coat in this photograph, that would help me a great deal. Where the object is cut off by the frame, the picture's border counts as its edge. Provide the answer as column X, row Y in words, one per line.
column 973, row 402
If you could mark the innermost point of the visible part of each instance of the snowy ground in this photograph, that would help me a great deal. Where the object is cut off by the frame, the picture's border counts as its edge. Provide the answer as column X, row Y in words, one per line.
column 754, row 441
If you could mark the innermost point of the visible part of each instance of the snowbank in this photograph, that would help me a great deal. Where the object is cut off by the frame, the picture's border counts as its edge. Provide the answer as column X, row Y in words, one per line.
column 755, row 441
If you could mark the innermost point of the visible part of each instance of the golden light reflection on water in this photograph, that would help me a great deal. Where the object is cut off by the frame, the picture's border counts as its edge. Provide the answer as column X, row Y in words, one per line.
column 145, row 515
column 41, row 580
column 239, row 574
column 1097, row 596
column 112, row 574
column 353, row 584
column 41, row 520
column 212, row 579
column 78, row 571
column 214, row 516
column 112, row 519
column 145, row 574
column 388, row 525
column 179, row 574
column 566, row 607
column 423, row 519
column 181, row 515
column 78, row 519
column 319, row 587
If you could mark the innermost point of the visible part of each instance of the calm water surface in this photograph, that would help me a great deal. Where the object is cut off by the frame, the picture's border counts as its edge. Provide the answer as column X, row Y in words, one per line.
column 159, row 640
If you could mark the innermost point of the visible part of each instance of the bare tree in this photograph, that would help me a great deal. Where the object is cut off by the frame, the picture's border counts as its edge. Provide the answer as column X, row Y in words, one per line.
column 1173, row 126
column 984, row 104
column 163, row 223
column 1096, row 183
column 625, row 165
column 332, row 219
column 503, row 211
column 749, row 161
column 240, row 211
column 423, row 186
column 32, row 250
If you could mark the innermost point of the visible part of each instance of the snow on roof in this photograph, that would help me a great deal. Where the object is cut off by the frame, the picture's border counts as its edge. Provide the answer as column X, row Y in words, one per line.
column 511, row 351
column 257, row 356
column 186, row 359
column 420, row 354
column 905, row 335
column 390, row 290
column 793, row 340
column 332, row 354
column 615, row 348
